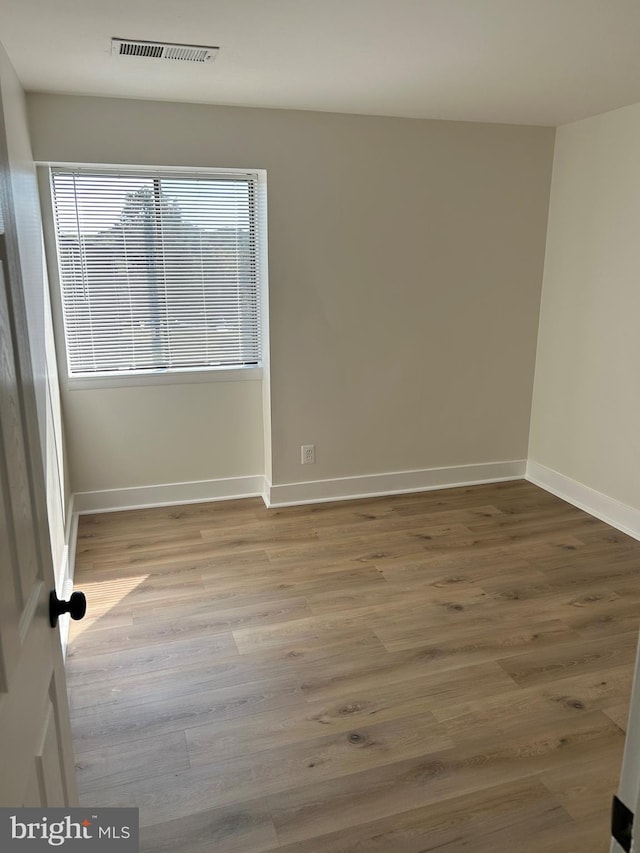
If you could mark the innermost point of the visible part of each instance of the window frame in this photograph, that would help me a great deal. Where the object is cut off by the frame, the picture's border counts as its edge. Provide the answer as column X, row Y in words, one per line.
column 158, row 376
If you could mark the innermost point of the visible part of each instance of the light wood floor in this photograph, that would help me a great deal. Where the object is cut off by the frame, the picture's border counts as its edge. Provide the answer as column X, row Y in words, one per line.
column 434, row 672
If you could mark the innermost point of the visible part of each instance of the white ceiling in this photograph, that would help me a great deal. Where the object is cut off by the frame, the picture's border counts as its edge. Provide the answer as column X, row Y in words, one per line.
column 522, row 61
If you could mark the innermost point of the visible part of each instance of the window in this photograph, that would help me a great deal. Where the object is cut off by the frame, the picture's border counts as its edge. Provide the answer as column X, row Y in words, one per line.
column 158, row 271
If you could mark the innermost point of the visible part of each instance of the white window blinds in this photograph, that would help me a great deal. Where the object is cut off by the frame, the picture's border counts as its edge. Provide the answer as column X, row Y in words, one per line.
column 157, row 271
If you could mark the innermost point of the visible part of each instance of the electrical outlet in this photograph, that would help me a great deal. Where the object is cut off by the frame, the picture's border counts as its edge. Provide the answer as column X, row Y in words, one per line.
column 308, row 454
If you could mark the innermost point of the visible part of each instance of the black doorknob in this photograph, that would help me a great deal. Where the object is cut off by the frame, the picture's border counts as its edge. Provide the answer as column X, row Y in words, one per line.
column 76, row 607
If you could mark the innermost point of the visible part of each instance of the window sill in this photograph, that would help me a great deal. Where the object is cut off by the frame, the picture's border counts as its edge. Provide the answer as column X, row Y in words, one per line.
column 164, row 377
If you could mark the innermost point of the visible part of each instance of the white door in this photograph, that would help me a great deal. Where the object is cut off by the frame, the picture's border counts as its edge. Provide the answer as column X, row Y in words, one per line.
column 36, row 768
column 629, row 788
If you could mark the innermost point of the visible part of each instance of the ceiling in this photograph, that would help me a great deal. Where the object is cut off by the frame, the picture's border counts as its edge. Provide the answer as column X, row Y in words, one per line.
column 542, row 62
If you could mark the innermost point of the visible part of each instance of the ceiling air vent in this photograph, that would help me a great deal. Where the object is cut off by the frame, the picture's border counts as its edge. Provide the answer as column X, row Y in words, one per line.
column 160, row 50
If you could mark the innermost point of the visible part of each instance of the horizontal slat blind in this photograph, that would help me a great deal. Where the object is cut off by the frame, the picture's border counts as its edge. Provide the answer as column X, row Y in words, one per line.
column 157, row 271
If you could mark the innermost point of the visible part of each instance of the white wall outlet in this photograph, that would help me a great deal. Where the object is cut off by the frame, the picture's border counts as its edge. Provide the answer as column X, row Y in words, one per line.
column 308, row 454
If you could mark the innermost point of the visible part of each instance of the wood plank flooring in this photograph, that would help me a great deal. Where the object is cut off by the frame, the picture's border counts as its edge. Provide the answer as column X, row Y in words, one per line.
column 434, row 672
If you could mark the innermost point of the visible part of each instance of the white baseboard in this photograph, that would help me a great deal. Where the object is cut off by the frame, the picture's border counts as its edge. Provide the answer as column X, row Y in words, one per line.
column 71, row 539
column 398, row 482
column 613, row 512
column 67, row 570
column 290, row 494
column 167, row 494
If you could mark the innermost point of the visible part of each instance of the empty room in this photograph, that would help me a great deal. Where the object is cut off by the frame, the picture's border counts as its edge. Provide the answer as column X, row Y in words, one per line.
column 319, row 424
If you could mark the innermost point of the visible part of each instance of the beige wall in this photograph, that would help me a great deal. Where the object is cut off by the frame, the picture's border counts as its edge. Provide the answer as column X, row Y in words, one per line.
column 148, row 435
column 586, row 404
column 26, row 265
column 405, row 264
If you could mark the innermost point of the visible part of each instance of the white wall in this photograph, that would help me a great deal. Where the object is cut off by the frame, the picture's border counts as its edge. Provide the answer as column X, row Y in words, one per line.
column 585, row 424
column 586, row 403
column 26, row 264
column 405, row 264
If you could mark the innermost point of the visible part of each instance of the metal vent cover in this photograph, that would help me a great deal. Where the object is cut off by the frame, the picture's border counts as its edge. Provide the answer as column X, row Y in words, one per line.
column 162, row 50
